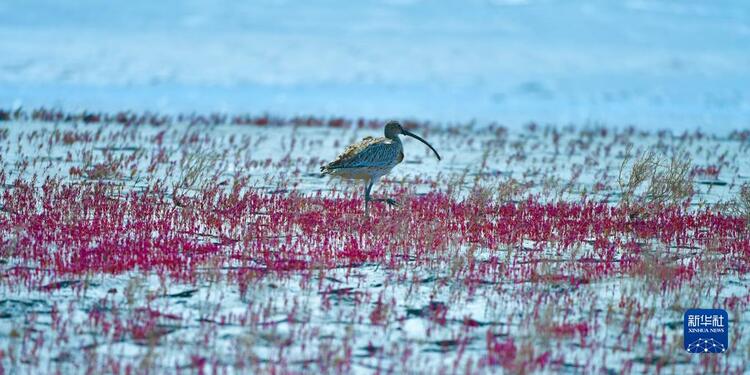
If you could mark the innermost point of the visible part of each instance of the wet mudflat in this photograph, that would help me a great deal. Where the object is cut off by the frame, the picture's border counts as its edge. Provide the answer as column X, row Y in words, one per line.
column 150, row 244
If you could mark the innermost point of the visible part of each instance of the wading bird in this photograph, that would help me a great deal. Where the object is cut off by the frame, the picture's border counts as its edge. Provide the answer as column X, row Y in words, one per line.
column 372, row 158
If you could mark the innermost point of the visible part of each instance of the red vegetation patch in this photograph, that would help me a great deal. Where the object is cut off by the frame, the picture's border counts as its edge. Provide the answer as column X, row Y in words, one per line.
column 71, row 228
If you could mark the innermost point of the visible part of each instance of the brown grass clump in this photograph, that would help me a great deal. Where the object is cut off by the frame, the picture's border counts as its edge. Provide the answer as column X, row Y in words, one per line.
column 740, row 206
column 655, row 180
column 196, row 167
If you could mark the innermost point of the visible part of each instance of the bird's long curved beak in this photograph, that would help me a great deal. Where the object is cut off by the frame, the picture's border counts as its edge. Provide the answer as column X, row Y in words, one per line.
column 410, row 134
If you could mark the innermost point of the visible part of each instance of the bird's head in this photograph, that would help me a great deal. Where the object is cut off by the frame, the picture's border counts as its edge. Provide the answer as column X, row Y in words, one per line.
column 394, row 128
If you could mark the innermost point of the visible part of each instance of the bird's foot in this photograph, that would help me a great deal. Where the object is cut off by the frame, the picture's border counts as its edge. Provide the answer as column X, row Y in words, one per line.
column 388, row 201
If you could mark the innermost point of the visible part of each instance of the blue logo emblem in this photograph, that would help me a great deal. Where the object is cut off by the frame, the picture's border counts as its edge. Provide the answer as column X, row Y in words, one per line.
column 706, row 331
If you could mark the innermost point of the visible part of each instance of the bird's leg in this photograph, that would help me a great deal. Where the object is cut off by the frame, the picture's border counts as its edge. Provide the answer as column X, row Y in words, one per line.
column 368, row 187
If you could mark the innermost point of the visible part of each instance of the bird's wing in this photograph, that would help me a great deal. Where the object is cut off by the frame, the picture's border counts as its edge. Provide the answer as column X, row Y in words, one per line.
column 369, row 152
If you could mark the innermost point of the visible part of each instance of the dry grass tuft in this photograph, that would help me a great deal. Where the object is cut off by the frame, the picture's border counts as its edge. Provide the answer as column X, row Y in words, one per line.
column 653, row 179
column 740, row 206
column 196, row 167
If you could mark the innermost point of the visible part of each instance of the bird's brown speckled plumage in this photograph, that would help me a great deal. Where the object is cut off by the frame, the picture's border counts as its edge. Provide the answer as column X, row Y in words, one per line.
column 375, row 155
